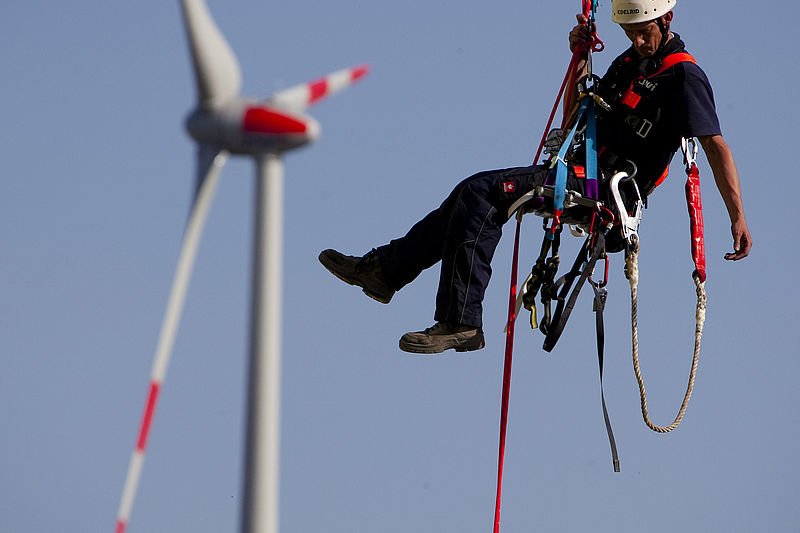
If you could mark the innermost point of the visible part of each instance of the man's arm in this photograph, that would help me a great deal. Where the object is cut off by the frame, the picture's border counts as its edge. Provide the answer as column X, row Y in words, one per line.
column 726, row 177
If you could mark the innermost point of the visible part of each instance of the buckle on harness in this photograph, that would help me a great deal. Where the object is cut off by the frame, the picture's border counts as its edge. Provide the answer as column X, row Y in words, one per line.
column 629, row 223
column 644, row 129
column 585, row 88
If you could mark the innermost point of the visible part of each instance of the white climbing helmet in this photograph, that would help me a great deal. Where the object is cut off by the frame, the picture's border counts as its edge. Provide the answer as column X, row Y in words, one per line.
column 636, row 11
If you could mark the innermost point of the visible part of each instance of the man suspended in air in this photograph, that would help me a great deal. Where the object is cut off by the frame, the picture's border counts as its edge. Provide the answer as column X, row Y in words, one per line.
column 653, row 102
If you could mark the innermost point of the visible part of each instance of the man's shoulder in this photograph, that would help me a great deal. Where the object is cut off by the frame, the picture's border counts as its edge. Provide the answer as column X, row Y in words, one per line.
column 691, row 72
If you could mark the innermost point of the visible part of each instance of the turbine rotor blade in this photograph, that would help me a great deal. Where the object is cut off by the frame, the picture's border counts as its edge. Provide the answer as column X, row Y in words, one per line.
column 210, row 161
column 298, row 97
column 216, row 69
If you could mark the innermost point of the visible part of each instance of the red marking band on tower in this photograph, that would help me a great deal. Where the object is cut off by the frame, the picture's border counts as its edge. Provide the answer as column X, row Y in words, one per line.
column 150, row 406
column 120, row 527
column 269, row 121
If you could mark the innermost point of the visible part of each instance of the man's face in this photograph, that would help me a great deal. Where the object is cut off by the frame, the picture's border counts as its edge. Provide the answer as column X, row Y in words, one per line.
column 645, row 37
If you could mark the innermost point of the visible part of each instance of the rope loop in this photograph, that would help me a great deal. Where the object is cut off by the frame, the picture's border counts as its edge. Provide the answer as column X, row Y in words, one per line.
column 632, row 272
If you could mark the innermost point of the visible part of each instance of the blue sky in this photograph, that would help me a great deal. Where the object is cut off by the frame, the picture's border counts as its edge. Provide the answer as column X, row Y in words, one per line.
column 98, row 174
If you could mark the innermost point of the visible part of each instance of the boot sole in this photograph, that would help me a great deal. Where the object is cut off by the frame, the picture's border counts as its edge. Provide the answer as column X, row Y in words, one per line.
column 475, row 343
column 331, row 266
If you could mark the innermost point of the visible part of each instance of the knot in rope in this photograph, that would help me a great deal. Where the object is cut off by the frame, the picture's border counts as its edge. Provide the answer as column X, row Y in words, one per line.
column 632, row 265
column 700, row 287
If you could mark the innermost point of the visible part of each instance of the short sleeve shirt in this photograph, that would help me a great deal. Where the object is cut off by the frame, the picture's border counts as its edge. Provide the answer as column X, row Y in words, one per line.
column 678, row 102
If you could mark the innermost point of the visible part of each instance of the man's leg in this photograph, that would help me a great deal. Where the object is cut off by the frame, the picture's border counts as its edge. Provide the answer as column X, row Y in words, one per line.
column 473, row 232
column 474, row 228
column 389, row 268
column 463, row 233
column 405, row 258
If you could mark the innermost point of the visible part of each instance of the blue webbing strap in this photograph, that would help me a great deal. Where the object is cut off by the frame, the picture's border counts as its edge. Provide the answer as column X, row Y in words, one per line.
column 591, row 153
column 561, row 168
column 591, row 129
column 560, row 189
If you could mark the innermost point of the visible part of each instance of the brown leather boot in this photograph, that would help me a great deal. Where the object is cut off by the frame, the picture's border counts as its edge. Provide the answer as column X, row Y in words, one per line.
column 364, row 272
column 441, row 337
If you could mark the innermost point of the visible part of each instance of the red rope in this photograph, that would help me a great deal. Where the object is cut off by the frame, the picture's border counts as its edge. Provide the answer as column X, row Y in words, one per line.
column 512, row 313
column 512, row 300
column 569, row 76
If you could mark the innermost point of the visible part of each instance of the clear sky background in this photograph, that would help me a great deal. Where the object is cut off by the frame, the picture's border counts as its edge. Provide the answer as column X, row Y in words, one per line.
column 97, row 174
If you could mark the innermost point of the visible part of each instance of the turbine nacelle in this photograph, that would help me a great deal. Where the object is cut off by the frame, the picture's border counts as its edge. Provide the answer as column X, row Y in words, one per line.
column 249, row 127
column 225, row 121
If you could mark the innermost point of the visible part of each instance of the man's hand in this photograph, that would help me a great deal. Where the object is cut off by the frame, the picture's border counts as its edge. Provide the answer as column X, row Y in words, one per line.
column 741, row 241
column 579, row 36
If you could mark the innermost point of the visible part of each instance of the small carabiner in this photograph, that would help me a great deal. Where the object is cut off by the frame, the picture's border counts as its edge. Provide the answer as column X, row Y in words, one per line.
column 605, row 276
column 689, row 157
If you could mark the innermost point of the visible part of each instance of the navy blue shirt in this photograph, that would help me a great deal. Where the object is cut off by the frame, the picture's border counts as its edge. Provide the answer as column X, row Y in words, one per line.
column 649, row 118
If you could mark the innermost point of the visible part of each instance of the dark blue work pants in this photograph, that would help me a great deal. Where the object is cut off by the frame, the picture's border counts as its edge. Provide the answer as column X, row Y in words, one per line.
column 463, row 234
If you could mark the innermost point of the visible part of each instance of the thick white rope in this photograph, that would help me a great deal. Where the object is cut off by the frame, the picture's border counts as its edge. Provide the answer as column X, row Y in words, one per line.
column 632, row 273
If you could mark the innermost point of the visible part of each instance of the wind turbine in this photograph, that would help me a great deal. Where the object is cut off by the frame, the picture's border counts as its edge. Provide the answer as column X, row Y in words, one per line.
column 224, row 123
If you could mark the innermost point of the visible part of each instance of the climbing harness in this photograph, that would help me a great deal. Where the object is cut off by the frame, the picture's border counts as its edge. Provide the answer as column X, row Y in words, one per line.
column 589, row 217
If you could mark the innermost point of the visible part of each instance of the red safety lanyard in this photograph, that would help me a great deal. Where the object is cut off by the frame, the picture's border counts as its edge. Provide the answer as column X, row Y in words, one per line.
column 695, row 207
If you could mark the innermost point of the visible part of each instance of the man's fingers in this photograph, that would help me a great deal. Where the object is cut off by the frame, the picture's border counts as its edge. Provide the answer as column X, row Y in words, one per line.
column 745, row 245
column 579, row 34
column 741, row 247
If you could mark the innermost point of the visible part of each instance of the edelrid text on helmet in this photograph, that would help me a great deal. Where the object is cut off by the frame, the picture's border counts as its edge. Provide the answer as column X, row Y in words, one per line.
column 636, row 11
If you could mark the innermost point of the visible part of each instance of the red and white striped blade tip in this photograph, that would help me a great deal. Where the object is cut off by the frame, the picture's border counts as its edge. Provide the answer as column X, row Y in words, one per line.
column 299, row 97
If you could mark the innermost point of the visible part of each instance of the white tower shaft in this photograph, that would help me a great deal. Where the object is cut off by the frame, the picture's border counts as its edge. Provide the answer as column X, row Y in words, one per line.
column 262, row 444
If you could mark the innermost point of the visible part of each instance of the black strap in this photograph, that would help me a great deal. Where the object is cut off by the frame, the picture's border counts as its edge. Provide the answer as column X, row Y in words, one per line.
column 599, row 306
column 539, row 272
column 582, row 269
column 594, row 246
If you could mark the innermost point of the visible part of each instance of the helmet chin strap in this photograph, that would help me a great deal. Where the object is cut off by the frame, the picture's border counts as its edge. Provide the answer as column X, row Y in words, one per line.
column 664, row 32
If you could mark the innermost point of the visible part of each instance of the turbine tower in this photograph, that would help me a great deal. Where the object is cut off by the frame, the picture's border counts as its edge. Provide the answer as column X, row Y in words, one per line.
column 224, row 123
